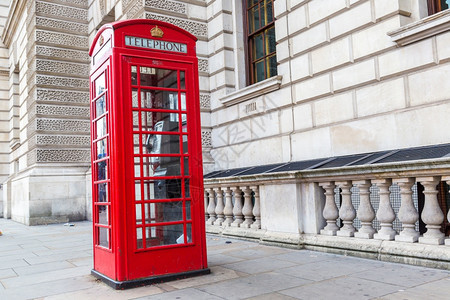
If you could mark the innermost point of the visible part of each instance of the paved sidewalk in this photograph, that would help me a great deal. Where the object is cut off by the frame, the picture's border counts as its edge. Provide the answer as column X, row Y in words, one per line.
column 54, row 262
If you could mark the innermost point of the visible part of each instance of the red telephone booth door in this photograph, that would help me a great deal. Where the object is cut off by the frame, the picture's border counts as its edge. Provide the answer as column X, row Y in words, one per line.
column 164, row 231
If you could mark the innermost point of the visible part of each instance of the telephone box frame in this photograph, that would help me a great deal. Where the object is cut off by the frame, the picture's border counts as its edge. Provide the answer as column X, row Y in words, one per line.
column 126, row 254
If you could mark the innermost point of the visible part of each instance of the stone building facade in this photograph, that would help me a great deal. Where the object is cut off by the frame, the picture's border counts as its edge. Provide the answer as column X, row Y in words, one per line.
column 336, row 78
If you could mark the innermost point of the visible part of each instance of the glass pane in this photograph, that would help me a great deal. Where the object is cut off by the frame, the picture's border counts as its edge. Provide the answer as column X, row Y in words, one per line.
column 161, row 166
column 100, row 106
column 100, row 85
column 254, row 19
column 184, row 123
column 188, row 210
column 163, row 212
column 102, row 170
column 158, row 77
column 103, row 237
column 102, row 192
column 136, row 144
column 162, row 189
column 137, row 167
column 189, row 232
column 183, row 101
column 272, row 65
column 258, row 50
column 159, row 99
column 135, row 120
column 269, row 11
column 182, row 80
column 103, row 214
column 102, row 148
column 270, row 36
column 137, row 191
column 185, row 144
column 262, row 8
column 186, row 166
column 187, row 192
column 162, row 144
column 445, row 4
column 138, row 214
column 133, row 75
column 259, row 71
column 160, row 121
column 139, row 238
column 101, row 127
column 134, row 98
column 164, row 235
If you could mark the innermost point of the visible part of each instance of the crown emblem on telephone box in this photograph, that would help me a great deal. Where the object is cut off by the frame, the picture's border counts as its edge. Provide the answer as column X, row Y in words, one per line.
column 157, row 32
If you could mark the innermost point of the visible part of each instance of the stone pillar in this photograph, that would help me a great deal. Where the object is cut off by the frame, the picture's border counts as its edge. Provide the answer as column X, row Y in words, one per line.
column 228, row 209
column 432, row 214
column 219, row 207
column 347, row 212
column 205, row 195
column 385, row 213
column 365, row 210
column 237, row 209
column 407, row 214
column 256, row 208
column 330, row 211
column 211, row 207
column 447, row 180
column 247, row 210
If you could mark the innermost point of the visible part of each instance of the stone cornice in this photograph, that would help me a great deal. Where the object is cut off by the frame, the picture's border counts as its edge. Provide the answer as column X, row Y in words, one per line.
column 421, row 29
column 426, row 167
column 16, row 10
column 252, row 91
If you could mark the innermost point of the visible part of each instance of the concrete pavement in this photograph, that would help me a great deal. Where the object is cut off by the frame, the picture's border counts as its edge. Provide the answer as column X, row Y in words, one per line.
column 54, row 262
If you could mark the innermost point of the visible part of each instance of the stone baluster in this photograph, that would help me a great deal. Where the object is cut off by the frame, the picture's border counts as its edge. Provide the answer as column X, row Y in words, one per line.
column 237, row 209
column 385, row 213
column 365, row 213
column 247, row 210
column 330, row 210
column 347, row 212
column 432, row 214
column 228, row 209
column 447, row 180
column 256, row 208
column 407, row 214
column 219, row 207
column 206, row 205
column 211, row 207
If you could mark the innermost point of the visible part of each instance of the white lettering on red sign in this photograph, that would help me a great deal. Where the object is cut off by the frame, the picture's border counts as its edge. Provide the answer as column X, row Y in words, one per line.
column 155, row 44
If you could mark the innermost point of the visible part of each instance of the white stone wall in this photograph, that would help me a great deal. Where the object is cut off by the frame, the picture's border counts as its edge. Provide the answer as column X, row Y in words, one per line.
column 4, row 104
column 346, row 86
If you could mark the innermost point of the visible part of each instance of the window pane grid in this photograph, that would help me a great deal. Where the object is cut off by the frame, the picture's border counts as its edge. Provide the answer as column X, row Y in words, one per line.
column 261, row 39
column 161, row 171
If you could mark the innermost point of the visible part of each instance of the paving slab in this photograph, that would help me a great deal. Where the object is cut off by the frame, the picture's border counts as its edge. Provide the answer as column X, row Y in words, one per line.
column 253, row 285
column 342, row 288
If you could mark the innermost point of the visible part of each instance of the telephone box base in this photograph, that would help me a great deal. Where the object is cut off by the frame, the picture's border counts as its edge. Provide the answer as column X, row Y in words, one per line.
column 122, row 285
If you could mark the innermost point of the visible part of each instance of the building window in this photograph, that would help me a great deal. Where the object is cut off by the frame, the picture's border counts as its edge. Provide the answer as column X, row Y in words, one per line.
column 435, row 6
column 261, row 45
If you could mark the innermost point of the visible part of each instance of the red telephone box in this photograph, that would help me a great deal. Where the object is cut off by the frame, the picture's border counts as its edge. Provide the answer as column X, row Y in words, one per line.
column 147, row 181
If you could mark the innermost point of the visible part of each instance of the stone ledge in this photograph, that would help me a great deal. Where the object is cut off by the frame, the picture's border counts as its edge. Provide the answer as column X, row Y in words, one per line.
column 252, row 91
column 421, row 29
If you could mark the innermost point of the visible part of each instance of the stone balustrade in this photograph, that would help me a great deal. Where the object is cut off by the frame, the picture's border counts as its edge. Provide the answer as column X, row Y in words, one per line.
column 392, row 212
column 340, row 213
column 232, row 206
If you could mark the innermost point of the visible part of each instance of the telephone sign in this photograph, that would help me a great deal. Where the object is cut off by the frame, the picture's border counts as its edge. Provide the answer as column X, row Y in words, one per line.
column 147, row 180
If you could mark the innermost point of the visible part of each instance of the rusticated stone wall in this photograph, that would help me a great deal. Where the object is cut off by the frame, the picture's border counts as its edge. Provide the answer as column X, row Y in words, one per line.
column 59, row 99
